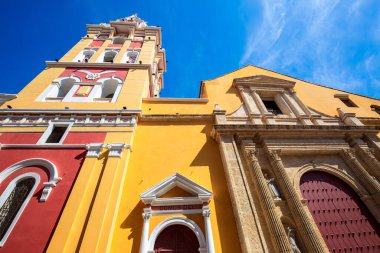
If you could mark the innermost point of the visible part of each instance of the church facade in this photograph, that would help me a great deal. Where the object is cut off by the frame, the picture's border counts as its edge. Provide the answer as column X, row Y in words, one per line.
column 93, row 160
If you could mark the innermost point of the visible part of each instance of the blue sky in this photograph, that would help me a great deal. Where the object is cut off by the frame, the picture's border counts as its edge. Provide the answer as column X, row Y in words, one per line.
column 331, row 42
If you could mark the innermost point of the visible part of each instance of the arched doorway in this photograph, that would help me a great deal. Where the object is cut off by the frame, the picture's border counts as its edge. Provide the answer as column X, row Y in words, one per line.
column 176, row 239
column 344, row 221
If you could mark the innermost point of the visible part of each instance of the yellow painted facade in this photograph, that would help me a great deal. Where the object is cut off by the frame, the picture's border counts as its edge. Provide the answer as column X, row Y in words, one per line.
column 104, row 210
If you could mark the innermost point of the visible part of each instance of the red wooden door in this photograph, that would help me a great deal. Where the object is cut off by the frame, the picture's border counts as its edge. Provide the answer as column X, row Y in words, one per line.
column 343, row 219
column 176, row 239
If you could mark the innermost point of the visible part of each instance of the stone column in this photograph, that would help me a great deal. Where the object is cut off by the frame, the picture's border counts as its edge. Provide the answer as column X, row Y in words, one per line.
column 145, row 232
column 370, row 160
column 310, row 236
column 361, row 174
column 209, row 238
column 279, row 239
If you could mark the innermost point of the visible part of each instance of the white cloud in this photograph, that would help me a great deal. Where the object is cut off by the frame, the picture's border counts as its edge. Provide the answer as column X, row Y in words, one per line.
column 323, row 41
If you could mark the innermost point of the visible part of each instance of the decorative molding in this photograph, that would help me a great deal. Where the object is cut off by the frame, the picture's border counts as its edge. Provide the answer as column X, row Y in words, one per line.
column 53, row 173
column 152, row 195
column 68, row 111
column 116, row 149
column 75, row 119
column 97, row 65
column 42, row 146
column 94, row 149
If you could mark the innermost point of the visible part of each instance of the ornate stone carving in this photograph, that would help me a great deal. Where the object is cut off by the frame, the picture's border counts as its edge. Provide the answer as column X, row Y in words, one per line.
column 116, row 149
column 292, row 240
column 94, row 149
column 274, row 154
column 273, row 188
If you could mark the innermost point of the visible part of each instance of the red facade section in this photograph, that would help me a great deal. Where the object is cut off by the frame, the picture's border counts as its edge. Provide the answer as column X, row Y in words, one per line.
column 344, row 221
column 37, row 222
column 176, row 239
column 96, row 43
column 96, row 73
column 136, row 44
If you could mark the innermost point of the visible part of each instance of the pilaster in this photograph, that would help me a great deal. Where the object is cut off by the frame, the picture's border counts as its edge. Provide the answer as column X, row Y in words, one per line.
column 312, row 241
column 372, row 186
column 279, row 239
column 100, row 227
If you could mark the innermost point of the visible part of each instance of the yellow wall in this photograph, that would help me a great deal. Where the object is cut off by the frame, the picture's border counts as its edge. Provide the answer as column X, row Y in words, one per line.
column 160, row 150
column 220, row 91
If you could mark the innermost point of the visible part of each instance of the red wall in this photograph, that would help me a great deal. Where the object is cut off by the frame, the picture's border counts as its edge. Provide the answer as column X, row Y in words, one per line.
column 36, row 224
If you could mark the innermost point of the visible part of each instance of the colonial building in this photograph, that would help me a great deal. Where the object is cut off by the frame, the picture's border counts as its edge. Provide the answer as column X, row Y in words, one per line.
column 93, row 160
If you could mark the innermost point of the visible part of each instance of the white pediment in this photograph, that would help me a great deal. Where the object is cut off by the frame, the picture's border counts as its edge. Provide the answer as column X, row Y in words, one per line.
column 153, row 195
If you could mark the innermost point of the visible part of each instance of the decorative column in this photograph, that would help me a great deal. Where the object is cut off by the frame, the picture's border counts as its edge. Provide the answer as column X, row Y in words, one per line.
column 370, row 160
column 361, row 174
column 209, row 239
column 310, row 237
column 279, row 239
column 145, row 232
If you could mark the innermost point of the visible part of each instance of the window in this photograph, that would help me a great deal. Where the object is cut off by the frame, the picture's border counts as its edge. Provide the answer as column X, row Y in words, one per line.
column 85, row 55
column 272, row 106
column 12, row 204
column 119, row 40
column 109, row 55
column 130, row 56
column 55, row 133
column 13, row 201
column 103, row 35
column 375, row 108
column 345, row 100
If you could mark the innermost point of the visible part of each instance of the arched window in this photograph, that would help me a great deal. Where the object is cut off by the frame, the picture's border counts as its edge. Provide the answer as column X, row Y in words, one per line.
column 130, row 56
column 13, row 201
column 66, row 85
column 59, row 89
column 85, row 55
column 344, row 221
column 119, row 40
column 109, row 55
column 109, row 88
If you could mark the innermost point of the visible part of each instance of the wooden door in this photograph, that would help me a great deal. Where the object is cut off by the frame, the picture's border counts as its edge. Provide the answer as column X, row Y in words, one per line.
column 343, row 220
column 176, row 239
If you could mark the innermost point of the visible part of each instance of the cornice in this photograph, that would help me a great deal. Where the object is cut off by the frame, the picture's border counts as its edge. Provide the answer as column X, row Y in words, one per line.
column 71, row 111
column 301, row 128
column 176, row 117
column 104, row 65
column 173, row 100
column 42, row 146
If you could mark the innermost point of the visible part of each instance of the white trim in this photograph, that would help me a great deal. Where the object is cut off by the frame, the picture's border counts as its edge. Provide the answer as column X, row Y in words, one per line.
column 48, row 131
column 177, row 221
column 151, row 195
column 8, row 191
column 53, row 173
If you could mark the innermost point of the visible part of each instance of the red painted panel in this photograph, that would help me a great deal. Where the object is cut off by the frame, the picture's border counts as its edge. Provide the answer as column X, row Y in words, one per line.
column 103, row 73
column 115, row 45
column 71, row 138
column 176, row 239
column 344, row 221
column 96, row 43
column 19, row 138
column 37, row 222
column 84, row 137
column 136, row 44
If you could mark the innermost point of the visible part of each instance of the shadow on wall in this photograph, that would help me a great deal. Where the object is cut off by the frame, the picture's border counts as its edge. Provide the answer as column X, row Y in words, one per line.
column 209, row 156
column 135, row 227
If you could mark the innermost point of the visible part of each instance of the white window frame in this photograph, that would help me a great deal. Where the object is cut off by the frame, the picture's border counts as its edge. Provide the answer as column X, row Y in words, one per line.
column 81, row 54
column 50, row 128
column 126, row 57
column 101, row 57
column 4, row 196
